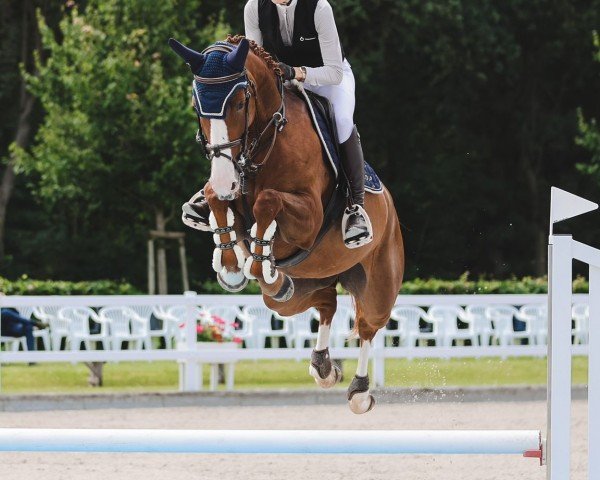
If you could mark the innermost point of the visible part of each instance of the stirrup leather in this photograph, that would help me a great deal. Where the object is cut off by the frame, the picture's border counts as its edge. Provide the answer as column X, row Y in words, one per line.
column 356, row 239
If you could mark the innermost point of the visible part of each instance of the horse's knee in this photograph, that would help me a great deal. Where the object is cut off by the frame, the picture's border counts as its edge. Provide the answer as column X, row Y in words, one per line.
column 267, row 205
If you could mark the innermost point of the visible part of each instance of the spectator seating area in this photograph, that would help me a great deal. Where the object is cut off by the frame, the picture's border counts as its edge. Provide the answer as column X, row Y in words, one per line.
column 112, row 328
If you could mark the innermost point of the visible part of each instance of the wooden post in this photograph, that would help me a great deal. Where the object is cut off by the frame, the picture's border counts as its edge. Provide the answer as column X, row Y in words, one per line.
column 164, row 236
column 151, row 268
column 184, row 271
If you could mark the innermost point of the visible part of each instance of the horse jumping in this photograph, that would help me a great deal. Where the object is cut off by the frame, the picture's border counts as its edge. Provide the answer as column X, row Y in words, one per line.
column 267, row 165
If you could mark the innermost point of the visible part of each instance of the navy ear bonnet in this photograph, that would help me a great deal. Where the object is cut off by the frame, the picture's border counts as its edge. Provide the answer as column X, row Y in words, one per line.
column 211, row 98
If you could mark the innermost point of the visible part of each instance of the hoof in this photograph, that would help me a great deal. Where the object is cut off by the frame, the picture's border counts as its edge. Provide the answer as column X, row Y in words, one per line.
column 361, row 402
column 232, row 281
column 334, row 377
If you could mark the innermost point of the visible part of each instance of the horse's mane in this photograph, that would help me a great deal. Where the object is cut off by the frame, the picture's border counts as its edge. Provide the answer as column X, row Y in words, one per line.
column 259, row 51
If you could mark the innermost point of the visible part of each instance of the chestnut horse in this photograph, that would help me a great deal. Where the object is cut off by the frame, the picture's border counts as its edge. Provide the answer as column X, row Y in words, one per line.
column 267, row 164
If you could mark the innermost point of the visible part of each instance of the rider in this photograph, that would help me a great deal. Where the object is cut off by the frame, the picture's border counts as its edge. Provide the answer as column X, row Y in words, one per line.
column 302, row 34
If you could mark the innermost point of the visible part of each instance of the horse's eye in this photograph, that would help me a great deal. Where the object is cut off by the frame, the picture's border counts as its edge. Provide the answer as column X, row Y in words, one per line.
column 240, row 106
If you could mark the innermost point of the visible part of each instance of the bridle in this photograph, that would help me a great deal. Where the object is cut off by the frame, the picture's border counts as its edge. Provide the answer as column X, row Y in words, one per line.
column 243, row 161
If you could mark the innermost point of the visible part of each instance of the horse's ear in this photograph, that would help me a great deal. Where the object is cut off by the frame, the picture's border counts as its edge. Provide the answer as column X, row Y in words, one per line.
column 237, row 58
column 194, row 59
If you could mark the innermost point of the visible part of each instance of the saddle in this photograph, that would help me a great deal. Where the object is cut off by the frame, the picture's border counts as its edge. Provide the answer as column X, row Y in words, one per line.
column 323, row 119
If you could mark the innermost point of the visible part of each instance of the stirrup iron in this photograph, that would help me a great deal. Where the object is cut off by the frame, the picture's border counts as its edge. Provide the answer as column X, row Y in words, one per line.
column 358, row 239
column 189, row 216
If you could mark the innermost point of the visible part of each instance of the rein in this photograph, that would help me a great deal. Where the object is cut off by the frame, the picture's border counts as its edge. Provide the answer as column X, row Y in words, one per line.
column 248, row 149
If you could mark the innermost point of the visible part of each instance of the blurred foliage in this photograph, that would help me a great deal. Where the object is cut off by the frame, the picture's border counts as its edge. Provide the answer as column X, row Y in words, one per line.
column 28, row 286
column 468, row 110
column 435, row 286
column 589, row 137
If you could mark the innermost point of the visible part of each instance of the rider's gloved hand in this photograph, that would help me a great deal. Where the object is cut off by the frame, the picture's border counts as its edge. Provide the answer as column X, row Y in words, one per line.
column 288, row 72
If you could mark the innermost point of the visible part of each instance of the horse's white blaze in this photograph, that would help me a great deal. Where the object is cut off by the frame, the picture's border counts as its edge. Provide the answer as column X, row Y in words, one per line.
column 222, row 175
column 363, row 359
column 323, row 337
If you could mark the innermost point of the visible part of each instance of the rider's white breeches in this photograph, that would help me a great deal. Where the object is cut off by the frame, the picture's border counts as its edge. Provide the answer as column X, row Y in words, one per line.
column 341, row 97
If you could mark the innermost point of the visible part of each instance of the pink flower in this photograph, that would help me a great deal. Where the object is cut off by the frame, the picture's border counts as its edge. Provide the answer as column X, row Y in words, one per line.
column 237, row 339
column 199, row 328
column 218, row 320
column 235, row 324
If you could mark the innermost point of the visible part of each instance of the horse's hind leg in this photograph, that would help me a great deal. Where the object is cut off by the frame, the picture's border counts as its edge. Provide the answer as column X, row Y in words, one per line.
column 325, row 373
column 323, row 298
column 374, row 302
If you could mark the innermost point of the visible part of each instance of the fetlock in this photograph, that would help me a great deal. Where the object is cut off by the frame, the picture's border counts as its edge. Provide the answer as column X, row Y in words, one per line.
column 321, row 362
column 323, row 370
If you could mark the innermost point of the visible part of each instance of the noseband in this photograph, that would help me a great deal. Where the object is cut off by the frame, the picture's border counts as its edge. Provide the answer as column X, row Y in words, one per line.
column 248, row 149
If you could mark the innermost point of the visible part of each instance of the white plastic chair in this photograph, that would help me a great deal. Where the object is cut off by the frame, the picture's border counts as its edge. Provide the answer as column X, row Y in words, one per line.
column 44, row 334
column 301, row 325
column 537, row 316
column 262, row 328
column 580, row 313
column 502, row 319
column 78, row 319
column 341, row 327
column 141, row 324
column 121, row 322
column 59, row 328
column 409, row 329
column 169, row 330
column 13, row 343
column 482, row 325
column 446, row 317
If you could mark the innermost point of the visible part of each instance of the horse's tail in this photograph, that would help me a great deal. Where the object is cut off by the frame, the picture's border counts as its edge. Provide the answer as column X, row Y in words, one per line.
column 357, row 315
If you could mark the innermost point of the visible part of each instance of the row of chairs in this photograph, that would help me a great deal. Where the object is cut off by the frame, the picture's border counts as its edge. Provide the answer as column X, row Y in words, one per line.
column 410, row 326
column 482, row 325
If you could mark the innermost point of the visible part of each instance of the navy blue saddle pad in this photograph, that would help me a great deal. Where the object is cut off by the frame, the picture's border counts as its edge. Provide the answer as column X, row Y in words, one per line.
column 324, row 122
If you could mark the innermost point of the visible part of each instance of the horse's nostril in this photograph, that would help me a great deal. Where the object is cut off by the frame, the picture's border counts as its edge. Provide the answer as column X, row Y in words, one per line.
column 233, row 185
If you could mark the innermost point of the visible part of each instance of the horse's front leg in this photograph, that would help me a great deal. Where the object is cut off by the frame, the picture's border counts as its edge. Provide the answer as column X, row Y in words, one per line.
column 299, row 216
column 228, row 256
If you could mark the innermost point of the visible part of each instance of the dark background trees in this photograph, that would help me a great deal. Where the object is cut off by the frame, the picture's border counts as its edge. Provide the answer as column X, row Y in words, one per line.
column 469, row 111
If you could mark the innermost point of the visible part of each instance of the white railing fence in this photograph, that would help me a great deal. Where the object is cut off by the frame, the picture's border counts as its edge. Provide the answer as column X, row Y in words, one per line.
column 191, row 359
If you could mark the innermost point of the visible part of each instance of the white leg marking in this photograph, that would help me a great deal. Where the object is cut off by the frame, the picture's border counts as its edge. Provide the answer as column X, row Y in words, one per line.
column 363, row 359
column 323, row 337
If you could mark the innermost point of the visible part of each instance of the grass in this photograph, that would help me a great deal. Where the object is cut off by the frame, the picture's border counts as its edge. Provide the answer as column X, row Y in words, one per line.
column 267, row 374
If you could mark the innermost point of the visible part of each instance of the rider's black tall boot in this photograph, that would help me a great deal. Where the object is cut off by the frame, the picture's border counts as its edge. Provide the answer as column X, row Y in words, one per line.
column 356, row 225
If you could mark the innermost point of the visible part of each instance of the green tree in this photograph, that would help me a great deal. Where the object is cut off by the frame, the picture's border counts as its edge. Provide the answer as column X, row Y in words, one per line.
column 19, row 36
column 115, row 151
column 589, row 137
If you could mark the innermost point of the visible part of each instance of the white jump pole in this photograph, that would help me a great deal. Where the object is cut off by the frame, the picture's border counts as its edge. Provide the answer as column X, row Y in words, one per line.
column 518, row 442
column 558, row 443
column 562, row 249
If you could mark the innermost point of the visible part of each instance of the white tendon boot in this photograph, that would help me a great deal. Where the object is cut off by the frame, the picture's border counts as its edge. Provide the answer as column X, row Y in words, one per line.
column 270, row 273
column 231, row 280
